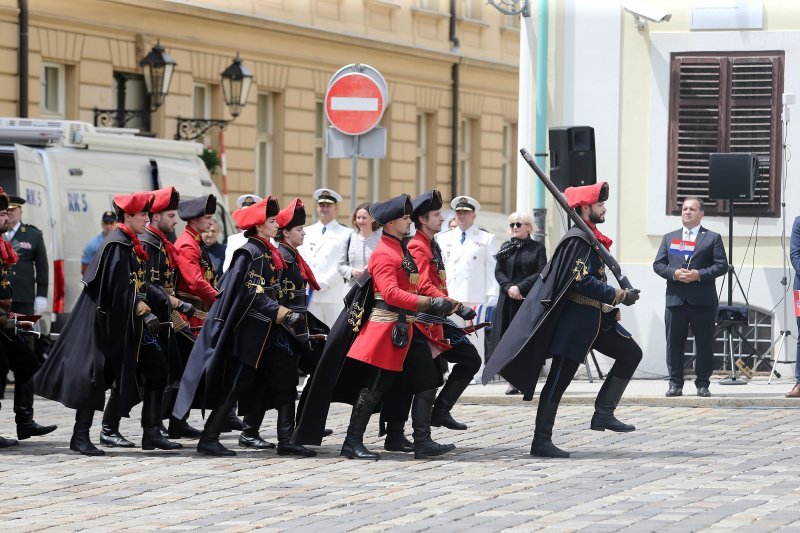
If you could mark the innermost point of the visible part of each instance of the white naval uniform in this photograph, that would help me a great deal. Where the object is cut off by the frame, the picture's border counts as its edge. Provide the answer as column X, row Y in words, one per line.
column 322, row 253
column 470, row 272
column 235, row 241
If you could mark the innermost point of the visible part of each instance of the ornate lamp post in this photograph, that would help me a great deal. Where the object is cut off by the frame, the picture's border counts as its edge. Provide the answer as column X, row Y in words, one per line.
column 157, row 69
column 236, row 82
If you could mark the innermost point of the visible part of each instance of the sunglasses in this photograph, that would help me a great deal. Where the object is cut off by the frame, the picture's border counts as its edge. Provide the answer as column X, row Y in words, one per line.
column 516, row 225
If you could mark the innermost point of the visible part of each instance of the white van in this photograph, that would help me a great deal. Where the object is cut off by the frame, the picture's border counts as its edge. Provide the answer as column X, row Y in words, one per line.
column 68, row 172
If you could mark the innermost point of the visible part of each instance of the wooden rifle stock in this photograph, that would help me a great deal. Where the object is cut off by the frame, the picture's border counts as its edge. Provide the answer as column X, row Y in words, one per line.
column 608, row 259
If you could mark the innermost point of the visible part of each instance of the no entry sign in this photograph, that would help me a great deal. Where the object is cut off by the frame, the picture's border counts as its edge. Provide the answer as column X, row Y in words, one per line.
column 356, row 99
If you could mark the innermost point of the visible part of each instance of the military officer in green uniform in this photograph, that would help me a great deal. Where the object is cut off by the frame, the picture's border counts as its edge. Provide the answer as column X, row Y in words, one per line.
column 29, row 276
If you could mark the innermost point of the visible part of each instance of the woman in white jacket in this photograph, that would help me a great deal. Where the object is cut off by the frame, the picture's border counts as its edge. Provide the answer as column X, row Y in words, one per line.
column 359, row 245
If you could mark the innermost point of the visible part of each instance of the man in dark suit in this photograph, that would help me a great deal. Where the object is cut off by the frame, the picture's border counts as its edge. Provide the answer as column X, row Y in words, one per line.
column 690, row 259
column 794, row 255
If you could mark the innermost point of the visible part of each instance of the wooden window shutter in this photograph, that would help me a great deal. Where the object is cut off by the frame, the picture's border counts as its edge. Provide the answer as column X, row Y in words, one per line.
column 724, row 103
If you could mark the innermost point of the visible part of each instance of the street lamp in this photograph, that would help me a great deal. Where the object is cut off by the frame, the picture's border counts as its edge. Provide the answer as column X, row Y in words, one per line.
column 157, row 69
column 236, row 82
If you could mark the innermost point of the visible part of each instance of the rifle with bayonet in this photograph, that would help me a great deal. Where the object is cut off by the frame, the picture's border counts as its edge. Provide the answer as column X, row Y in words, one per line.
column 608, row 259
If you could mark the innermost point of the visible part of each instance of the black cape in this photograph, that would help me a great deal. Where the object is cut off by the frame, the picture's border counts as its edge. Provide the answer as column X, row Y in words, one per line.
column 101, row 340
column 337, row 378
column 523, row 349
column 235, row 330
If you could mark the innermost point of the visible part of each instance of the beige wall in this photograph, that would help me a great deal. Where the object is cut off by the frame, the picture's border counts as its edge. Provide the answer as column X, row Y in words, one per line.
column 292, row 47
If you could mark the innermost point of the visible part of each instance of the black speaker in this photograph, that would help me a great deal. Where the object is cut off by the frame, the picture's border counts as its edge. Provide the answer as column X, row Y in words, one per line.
column 732, row 176
column 572, row 160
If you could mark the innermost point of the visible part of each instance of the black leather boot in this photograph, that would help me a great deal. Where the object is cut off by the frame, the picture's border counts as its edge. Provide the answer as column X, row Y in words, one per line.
column 424, row 445
column 180, row 429
column 250, row 437
column 353, row 447
column 80, row 441
column 8, row 443
column 607, row 400
column 151, row 423
column 232, row 422
column 396, row 440
column 209, row 440
column 448, row 397
column 109, row 429
column 23, row 407
column 285, row 430
column 542, row 445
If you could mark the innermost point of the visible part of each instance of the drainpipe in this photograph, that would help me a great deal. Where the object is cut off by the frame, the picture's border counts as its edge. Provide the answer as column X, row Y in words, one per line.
column 542, row 25
column 23, row 58
column 456, row 48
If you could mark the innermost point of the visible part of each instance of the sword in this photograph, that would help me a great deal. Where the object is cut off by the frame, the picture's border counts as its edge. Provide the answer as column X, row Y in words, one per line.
column 608, row 259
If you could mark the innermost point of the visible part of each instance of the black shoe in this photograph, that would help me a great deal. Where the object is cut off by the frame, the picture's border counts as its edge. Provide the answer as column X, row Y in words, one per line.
column 602, row 422
column 8, row 443
column 254, row 442
column 80, row 441
column 295, row 449
column 430, row 449
column 674, row 391
column 85, row 447
column 213, row 448
column 703, row 392
column 512, row 390
column 180, row 429
column 358, row 451
column 544, row 447
column 26, row 430
column 397, row 442
column 440, row 417
column 114, row 439
column 327, row 432
column 152, row 439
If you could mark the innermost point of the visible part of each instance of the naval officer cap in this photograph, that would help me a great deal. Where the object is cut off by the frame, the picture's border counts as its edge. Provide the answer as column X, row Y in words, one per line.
column 247, row 199
column 15, row 202
column 397, row 207
column 587, row 194
column 165, row 199
column 465, row 203
column 292, row 216
column 197, row 207
column 425, row 203
column 326, row 196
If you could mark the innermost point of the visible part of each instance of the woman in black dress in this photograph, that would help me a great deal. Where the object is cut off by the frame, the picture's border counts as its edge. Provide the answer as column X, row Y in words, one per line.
column 519, row 262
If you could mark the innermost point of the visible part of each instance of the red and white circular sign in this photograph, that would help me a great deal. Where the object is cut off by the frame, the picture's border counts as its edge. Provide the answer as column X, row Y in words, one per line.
column 354, row 103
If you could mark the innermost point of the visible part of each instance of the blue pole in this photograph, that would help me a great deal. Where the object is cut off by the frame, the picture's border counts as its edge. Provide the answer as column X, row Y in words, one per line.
column 542, row 15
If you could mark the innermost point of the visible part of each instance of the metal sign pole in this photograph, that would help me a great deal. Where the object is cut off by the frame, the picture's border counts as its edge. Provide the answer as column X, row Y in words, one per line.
column 354, row 174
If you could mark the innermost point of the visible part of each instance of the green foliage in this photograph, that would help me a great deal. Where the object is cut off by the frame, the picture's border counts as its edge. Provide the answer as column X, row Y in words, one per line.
column 211, row 159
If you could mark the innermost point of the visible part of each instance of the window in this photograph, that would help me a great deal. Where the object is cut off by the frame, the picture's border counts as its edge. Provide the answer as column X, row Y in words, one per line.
column 725, row 103
column 465, row 155
column 201, row 106
column 509, row 167
column 472, row 9
column 53, row 85
column 130, row 93
column 421, row 157
column 264, row 143
column 320, row 158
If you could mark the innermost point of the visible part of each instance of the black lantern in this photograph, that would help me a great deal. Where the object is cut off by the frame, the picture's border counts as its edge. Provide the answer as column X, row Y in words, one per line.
column 157, row 68
column 236, row 82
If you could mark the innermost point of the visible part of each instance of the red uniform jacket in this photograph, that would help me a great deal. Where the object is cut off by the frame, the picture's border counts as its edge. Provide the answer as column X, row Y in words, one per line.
column 431, row 283
column 373, row 345
column 198, row 277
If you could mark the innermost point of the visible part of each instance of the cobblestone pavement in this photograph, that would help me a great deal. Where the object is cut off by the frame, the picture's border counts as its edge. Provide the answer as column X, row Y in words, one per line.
column 685, row 468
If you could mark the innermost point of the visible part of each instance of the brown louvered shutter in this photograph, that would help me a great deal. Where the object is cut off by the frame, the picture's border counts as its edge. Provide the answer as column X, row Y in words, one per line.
column 724, row 103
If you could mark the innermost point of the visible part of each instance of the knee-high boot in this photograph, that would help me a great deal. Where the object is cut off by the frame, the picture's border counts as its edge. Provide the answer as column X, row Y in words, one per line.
column 424, row 445
column 396, row 440
column 285, row 430
column 250, row 437
column 109, row 432
column 232, row 422
column 542, row 445
column 353, row 446
column 80, row 441
column 23, row 407
column 178, row 428
column 607, row 400
column 209, row 439
column 151, row 423
column 448, row 397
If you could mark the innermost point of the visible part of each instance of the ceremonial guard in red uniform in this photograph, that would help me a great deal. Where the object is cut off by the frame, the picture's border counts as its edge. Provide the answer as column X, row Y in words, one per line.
column 162, row 271
column 15, row 352
column 286, row 345
column 112, row 336
column 228, row 361
column 568, row 312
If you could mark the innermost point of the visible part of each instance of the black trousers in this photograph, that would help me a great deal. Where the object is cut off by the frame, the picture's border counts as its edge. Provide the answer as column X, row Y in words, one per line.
column 466, row 359
column 624, row 350
column 702, row 319
column 421, row 372
column 16, row 355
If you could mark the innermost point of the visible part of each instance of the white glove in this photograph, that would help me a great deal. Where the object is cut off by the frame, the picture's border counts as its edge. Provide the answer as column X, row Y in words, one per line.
column 39, row 305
